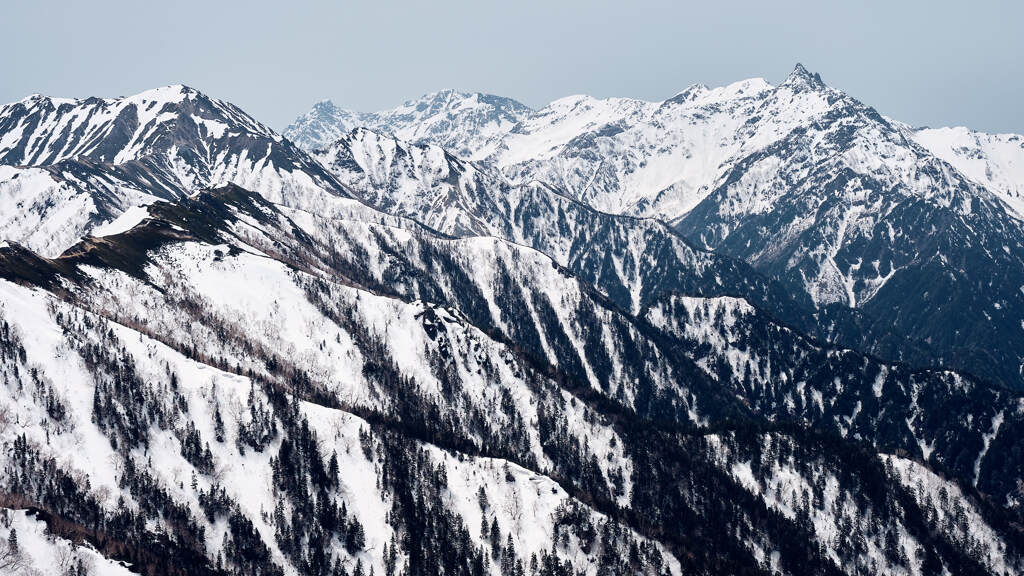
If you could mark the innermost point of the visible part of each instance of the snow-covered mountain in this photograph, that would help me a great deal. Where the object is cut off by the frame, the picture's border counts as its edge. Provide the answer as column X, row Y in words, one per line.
column 805, row 183
column 618, row 155
column 652, row 158
column 850, row 210
column 470, row 125
column 71, row 165
column 633, row 261
column 323, row 124
column 433, row 345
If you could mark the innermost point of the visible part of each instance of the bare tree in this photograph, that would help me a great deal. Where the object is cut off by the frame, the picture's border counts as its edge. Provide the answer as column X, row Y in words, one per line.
column 12, row 562
column 5, row 417
column 65, row 559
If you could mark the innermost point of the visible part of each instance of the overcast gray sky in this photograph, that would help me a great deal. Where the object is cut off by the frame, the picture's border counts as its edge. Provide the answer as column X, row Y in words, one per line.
column 926, row 63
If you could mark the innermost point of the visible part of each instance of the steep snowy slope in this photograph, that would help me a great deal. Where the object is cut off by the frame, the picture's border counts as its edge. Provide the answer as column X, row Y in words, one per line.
column 815, row 189
column 34, row 550
column 50, row 208
column 235, row 468
column 633, row 261
column 644, row 269
column 461, row 198
column 995, row 161
column 784, row 375
column 471, row 125
column 424, row 182
column 95, row 157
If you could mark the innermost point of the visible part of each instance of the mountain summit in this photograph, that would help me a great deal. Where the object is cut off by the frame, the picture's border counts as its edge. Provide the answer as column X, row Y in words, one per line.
column 800, row 76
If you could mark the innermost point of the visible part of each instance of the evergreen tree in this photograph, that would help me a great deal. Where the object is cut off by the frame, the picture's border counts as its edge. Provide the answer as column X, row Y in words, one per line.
column 481, row 497
column 355, row 539
column 333, row 473
column 495, row 537
column 218, row 424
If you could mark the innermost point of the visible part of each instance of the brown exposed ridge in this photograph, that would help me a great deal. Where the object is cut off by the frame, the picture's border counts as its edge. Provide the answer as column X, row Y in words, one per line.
column 128, row 250
column 201, row 218
column 23, row 266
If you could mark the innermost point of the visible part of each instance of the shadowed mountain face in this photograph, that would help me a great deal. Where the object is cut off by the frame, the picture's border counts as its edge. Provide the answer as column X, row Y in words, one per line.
column 464, row 337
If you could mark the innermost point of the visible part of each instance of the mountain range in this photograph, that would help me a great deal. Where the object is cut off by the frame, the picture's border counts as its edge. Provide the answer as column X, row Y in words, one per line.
column 747, row 330
column 806, row 184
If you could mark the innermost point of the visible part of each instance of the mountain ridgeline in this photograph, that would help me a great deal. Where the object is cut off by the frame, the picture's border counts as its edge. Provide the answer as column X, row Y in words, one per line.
column 753, row 329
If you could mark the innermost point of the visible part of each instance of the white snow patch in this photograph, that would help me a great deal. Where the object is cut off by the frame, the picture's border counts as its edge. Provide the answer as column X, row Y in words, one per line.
column 123, row 223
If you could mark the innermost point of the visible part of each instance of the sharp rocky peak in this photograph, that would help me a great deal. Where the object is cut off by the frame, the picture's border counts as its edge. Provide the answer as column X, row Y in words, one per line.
column 325, row 105
column 801, row 77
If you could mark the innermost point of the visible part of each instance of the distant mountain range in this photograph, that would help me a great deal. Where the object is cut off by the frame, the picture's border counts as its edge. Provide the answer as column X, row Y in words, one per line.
column 748, row 330
column 803, row 182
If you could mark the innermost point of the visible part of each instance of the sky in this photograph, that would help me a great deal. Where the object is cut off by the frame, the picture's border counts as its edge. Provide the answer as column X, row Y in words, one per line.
column 925, row 63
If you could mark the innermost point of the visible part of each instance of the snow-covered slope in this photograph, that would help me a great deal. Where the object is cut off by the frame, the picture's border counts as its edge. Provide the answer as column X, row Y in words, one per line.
column 849, row 210
column 655, row 158
column 632, row 261
column 995, row 161
column 641, row 266
column 215, row 458
column 424, row 182
column 35, row 551
column 854, row 213
column 217, row 357
column 50, row 208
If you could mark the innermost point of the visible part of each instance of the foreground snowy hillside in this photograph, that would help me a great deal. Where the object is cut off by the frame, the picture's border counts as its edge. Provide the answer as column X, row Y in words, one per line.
column 270, row 389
